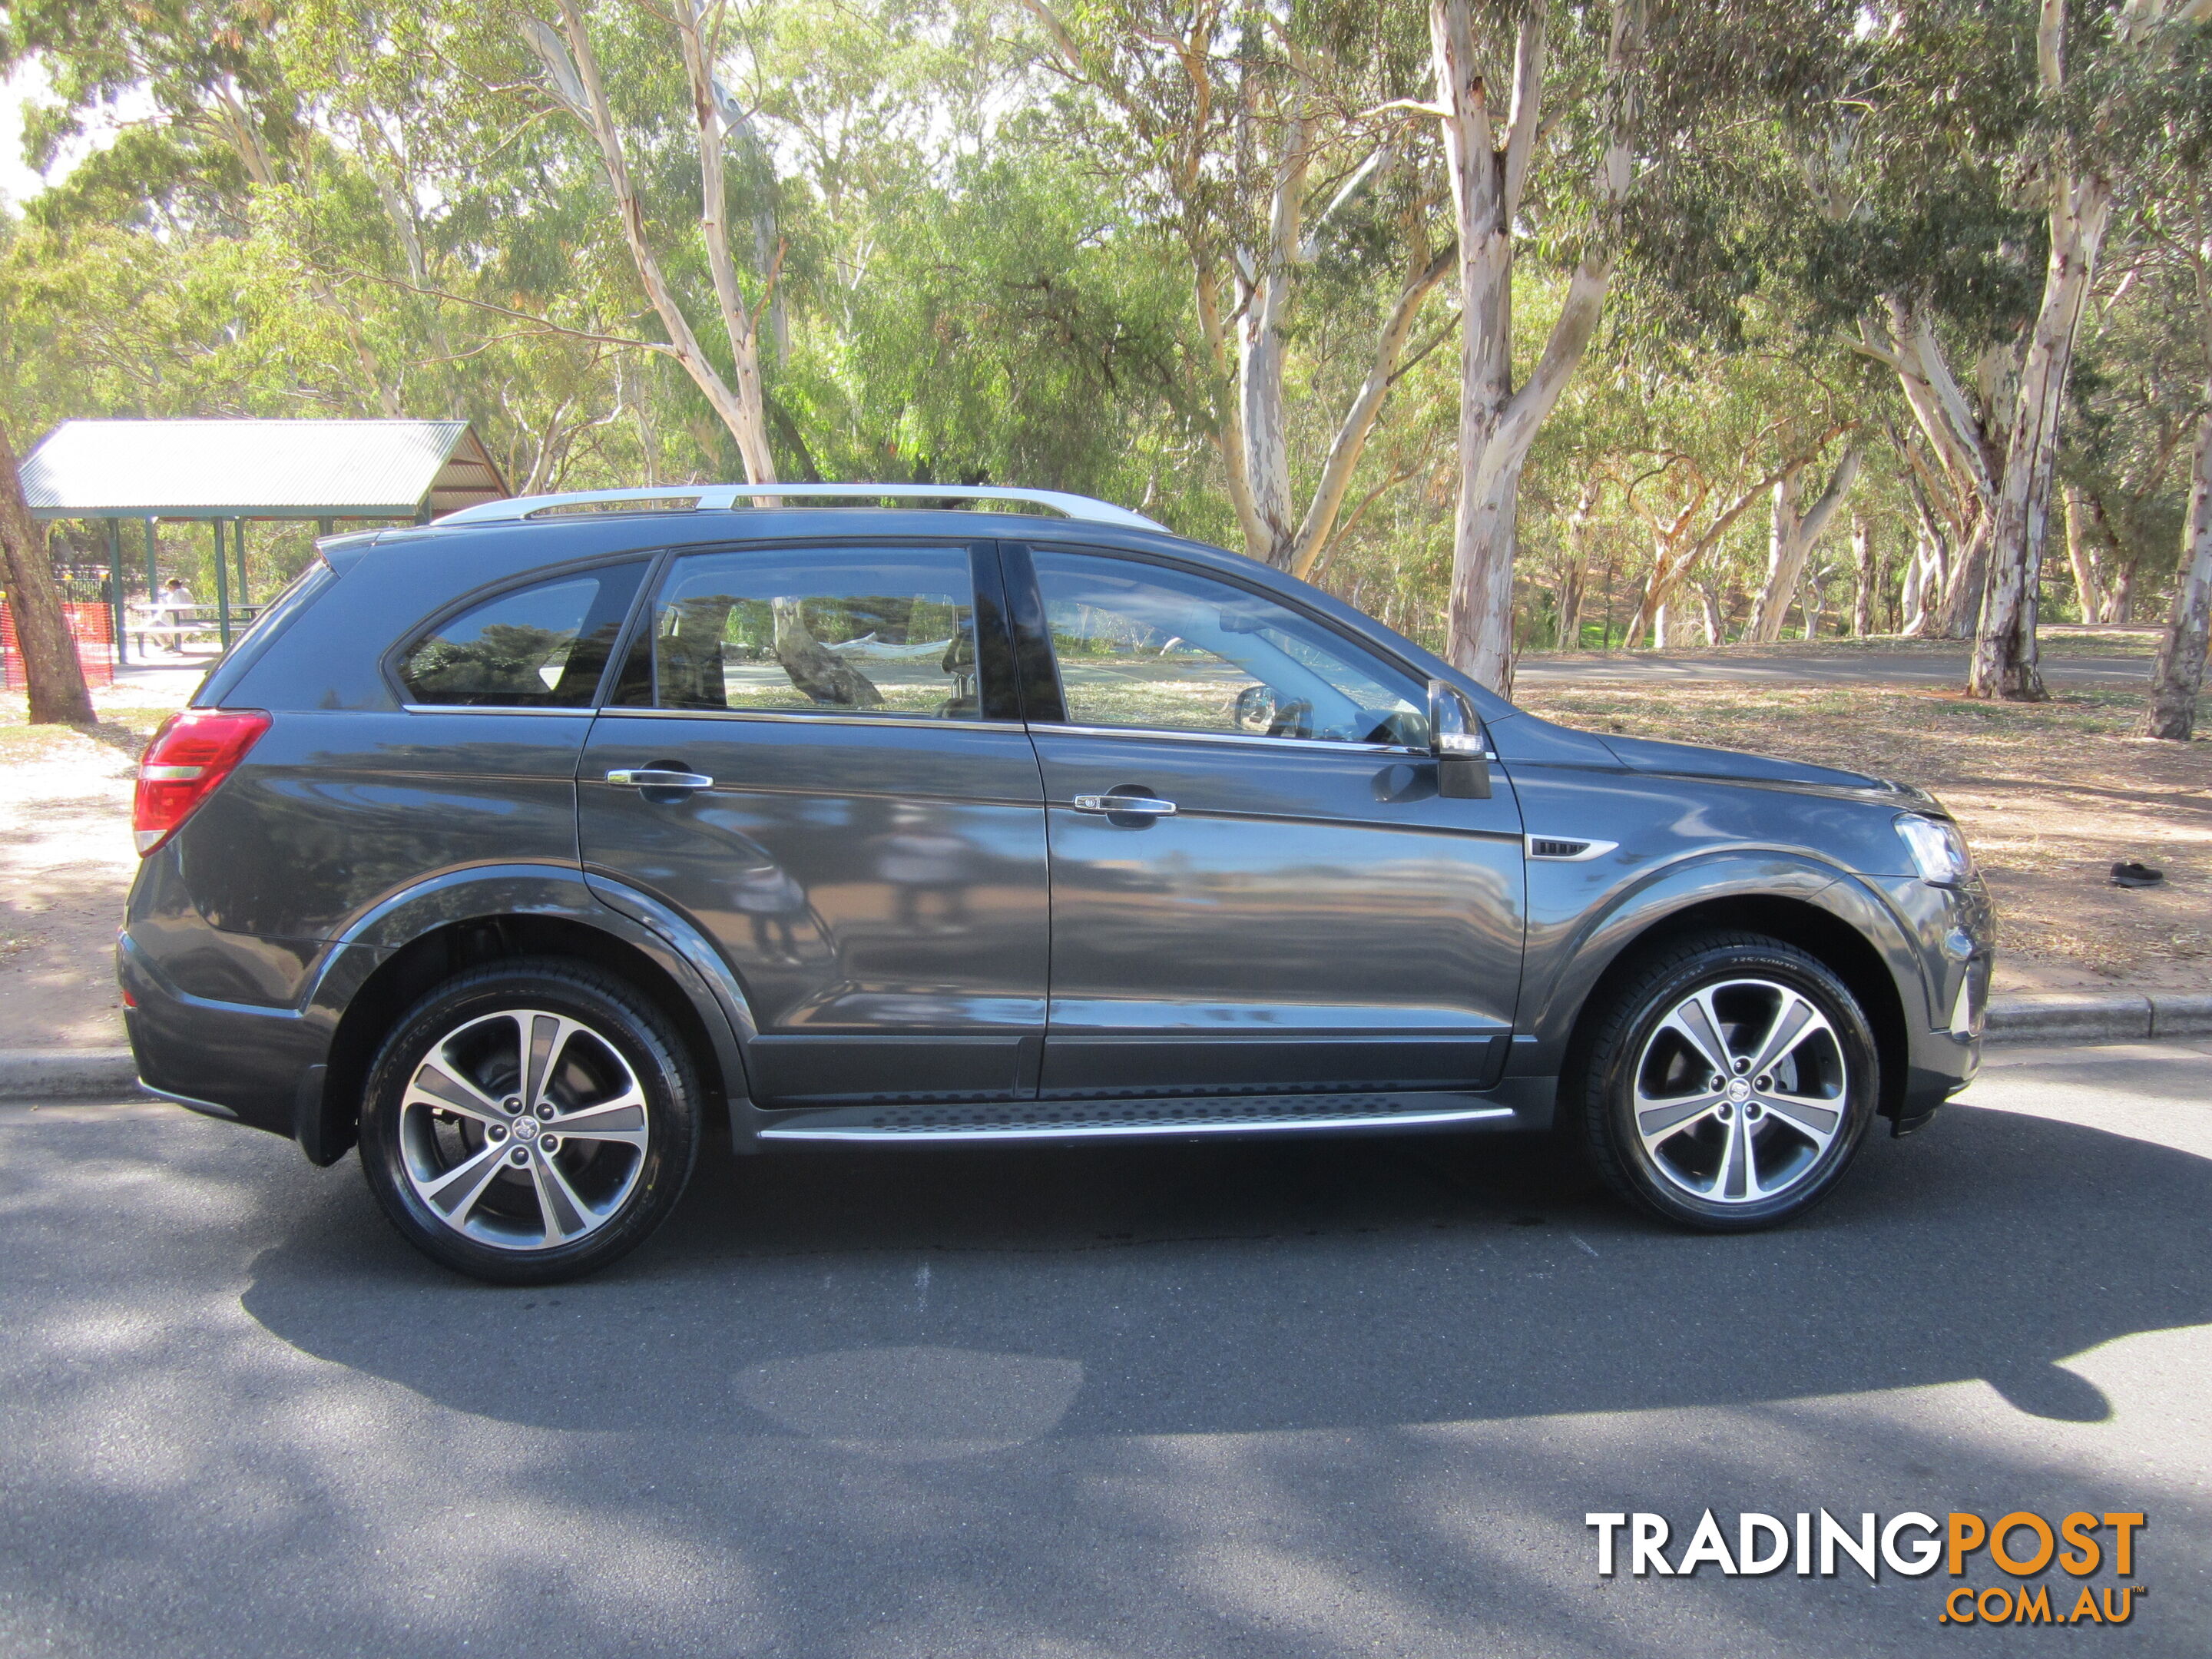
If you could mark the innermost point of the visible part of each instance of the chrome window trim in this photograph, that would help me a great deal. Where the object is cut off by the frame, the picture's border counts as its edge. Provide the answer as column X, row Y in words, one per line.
column 580, row 711
column 775, row 716
column 1333, row 744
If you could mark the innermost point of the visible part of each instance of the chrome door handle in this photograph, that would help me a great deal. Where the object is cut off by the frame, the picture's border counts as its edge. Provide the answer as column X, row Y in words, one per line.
column 1142, row 806
column 653, row 778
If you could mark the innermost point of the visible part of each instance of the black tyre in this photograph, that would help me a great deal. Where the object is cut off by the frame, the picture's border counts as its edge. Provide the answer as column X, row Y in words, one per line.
column 530, row 1121
column 1727, row 1084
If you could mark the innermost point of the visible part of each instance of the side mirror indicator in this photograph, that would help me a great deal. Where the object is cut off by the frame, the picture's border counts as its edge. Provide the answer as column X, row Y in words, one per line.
column 1456, row 739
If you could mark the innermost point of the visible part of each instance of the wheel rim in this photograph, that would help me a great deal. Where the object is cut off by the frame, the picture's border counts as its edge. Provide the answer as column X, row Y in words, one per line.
column 524, row 1129
column 1739, row 1091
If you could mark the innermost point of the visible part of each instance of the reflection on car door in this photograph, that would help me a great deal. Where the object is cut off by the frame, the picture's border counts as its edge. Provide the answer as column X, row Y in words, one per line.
column 815, row 754
column 1286, row 904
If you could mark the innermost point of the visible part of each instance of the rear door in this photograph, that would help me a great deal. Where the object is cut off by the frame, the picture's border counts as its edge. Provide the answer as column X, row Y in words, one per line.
column 814, row 753
column 1292, row 906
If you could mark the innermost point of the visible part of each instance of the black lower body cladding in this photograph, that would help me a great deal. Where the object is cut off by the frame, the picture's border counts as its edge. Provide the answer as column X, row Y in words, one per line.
column 231, row 1060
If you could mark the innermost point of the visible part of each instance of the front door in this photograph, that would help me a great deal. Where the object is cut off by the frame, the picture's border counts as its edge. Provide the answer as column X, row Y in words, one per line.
column 1285, row 904
column 815, row 754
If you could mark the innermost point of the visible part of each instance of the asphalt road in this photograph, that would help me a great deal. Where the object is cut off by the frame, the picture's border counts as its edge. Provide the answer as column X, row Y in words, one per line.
column 1309, row 1399
column 1858, row 668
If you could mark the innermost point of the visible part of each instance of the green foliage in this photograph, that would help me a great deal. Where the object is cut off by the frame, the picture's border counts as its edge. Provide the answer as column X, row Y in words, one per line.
column 973, row 264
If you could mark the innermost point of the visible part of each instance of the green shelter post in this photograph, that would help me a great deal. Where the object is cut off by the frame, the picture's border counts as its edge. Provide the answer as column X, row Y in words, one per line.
column 152, row 571
column 222, row 586
column 237, row 530
column 115, row 586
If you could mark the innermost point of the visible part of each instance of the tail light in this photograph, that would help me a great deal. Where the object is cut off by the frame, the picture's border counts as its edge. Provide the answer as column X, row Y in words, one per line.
column 190, row 755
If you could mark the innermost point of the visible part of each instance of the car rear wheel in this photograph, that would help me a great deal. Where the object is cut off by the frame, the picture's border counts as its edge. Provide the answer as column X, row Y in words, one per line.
column 530, row 1122
column 1728, row 1085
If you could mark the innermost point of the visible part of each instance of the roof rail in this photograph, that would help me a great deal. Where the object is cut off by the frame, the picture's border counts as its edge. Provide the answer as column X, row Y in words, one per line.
column 725, row 497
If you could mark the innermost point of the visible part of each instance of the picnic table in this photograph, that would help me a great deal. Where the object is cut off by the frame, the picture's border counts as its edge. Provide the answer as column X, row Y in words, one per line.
column 174, row 624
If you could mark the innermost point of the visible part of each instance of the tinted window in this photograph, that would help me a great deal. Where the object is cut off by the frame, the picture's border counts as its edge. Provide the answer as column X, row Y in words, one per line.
column 541, row 647
column 276, row 616
column 1138, row 645
column 820, row 630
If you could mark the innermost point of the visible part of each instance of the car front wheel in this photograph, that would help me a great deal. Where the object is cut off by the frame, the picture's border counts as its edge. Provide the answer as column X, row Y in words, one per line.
column 1727, row 1084
column 530, row 1122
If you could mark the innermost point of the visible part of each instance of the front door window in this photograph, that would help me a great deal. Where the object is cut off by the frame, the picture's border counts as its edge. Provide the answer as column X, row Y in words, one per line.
column 1142, row 646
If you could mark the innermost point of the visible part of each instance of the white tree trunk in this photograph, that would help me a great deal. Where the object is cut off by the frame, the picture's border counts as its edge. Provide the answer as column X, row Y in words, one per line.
column 2178, row 680
column 1790, row 540
column 1497, row 422
column 2004, row 651
column 1923, row 581
column 576, row 80
column 1574, row 575
column 1320, row 522
column 1709, row 602
column 2004, row 662
column 2088, row 593
column 1259, row 358
column 1862, row 573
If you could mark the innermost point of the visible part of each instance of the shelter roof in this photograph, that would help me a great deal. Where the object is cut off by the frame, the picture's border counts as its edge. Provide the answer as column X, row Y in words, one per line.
column 194, row 469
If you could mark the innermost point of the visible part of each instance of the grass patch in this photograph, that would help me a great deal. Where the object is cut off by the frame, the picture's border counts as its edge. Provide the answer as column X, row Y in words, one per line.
column 126, row 729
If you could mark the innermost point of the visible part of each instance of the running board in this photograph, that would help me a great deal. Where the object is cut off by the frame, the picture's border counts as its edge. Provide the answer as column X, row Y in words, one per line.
column 1087, row 1120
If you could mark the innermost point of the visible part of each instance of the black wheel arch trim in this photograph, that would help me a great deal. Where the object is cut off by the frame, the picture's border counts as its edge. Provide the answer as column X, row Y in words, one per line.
column 506, row 892
column 1599, row 938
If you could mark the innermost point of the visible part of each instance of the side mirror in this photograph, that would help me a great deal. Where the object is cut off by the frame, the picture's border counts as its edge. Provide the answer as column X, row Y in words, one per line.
column 1456, row 738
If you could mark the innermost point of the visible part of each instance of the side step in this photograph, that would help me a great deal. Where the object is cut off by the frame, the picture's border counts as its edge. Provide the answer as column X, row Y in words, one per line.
column 1084, row 1119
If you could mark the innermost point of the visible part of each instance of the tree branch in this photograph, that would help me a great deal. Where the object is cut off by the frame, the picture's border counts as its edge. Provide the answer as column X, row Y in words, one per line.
column 537, row 325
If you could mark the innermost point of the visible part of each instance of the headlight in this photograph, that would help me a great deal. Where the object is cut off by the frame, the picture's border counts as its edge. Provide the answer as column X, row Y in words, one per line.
column 1939, row 851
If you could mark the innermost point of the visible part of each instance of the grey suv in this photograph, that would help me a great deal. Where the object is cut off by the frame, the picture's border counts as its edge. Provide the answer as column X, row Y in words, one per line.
column 512, row 846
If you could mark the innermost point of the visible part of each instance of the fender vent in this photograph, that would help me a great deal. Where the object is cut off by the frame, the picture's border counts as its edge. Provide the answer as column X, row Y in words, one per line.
column 1561, row 850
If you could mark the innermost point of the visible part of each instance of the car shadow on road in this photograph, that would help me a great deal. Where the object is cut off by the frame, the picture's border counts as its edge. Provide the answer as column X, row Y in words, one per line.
column 1228, row 1288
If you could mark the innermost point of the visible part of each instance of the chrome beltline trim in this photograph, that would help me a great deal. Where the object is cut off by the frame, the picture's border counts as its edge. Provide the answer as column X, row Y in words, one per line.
column 1042, row 728
column 583, row 713
column 778, row 717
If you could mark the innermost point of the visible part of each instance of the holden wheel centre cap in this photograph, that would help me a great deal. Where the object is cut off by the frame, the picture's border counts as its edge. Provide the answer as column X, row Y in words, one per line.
column 1739, row 1089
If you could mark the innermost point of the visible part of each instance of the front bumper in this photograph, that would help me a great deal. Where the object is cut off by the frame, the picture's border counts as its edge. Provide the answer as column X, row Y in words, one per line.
column 1955, row 931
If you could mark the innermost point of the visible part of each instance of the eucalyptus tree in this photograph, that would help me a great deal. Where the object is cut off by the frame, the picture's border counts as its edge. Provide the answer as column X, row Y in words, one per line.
column 2173, row 233
column 2081, row 171
column 1795, row 526
column 54, row 679
column 1503, row 84
column 226, row 123
column 1960, row 180
column 574, row 82
column 1260, row 143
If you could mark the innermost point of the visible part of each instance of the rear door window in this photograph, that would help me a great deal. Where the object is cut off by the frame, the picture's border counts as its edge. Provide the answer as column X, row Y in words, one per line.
column 839, row 630
column 540, row 647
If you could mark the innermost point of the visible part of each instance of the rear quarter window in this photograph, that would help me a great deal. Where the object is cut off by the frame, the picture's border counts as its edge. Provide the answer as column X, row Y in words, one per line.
column 540, row 647
column 278, row 616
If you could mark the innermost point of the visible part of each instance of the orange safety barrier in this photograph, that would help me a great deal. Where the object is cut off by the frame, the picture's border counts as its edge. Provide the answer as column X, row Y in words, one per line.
column 92, row 626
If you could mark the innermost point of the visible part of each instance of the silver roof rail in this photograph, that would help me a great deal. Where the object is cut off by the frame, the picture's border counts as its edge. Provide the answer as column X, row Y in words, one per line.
column 725, row 497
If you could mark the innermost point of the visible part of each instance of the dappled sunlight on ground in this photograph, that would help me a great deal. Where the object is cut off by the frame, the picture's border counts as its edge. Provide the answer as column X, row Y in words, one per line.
column 1317, row 1400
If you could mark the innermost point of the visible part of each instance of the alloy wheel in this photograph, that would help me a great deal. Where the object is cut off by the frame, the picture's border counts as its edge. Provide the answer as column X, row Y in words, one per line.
column 1740, row 1089
column 524, row 1129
